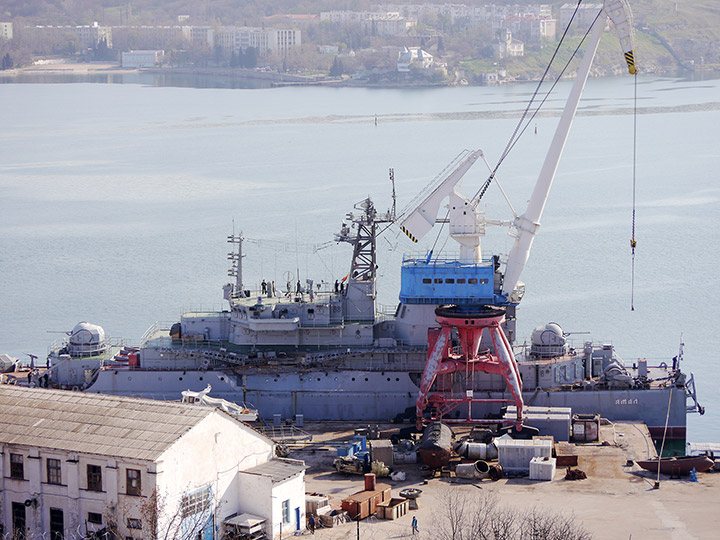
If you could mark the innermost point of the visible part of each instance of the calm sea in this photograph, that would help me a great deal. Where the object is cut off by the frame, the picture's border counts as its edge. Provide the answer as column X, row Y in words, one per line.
column 116, row 200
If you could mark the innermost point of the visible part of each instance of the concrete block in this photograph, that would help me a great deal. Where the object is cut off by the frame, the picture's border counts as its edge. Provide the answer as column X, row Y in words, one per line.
column 542, row 468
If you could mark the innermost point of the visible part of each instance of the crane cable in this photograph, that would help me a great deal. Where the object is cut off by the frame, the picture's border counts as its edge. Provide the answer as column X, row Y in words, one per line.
column 633, row 242
column 518, row 132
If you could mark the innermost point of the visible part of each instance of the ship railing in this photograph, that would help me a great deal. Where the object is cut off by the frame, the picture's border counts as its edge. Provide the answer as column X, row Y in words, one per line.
column 154, row 327
column 449, row 259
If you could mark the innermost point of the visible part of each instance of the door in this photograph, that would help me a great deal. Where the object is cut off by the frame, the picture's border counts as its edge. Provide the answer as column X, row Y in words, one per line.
column 57, row 527
column 297, row 518
column 18, row 521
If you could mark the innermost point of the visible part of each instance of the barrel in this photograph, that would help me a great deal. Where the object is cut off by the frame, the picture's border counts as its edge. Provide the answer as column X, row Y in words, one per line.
column 369, row 482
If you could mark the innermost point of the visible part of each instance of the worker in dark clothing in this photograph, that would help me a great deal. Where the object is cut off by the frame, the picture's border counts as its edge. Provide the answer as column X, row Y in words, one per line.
column 311, row 523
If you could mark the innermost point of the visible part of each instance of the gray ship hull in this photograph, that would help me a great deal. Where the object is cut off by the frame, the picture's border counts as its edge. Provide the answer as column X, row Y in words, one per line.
column 369, row 395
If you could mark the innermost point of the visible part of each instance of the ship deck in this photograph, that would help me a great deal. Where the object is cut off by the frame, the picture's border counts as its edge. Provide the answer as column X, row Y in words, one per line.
column 616, row 500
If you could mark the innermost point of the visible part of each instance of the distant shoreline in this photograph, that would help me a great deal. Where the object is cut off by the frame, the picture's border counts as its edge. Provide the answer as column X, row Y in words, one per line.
column 268, row 77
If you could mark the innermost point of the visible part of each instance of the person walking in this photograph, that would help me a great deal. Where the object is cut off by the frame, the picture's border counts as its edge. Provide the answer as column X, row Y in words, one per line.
column 415, row 529
column 311, row 523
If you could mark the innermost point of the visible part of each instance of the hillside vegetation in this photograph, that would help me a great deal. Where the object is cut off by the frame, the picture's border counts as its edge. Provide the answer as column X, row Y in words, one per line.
column 670, row 35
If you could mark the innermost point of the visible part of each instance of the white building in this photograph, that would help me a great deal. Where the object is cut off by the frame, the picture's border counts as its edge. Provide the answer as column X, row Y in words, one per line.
column 75, row 463
column 413, row 56
column 141, row 59
column 6, row 30
column 380, row 23
column 586, row 14
column 508, row 46
column 264, row 40
column 88, row 35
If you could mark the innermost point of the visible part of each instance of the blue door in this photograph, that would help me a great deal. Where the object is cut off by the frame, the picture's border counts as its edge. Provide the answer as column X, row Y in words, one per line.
column 297, row 518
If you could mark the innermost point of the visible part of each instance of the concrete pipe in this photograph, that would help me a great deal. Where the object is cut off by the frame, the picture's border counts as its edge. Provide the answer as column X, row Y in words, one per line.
column 474, row 471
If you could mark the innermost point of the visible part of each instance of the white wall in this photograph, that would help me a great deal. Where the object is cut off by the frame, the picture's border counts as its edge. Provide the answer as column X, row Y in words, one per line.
column 259, row 496
column 211, row 453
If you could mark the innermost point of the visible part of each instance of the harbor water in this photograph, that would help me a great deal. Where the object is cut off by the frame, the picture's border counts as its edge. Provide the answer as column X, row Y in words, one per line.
column 116, row 200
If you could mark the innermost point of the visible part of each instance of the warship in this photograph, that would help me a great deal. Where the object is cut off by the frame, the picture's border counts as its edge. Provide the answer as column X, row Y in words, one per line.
column 331, row 355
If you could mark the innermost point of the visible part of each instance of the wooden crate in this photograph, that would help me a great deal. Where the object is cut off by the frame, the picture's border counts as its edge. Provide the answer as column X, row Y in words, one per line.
column 393, row 509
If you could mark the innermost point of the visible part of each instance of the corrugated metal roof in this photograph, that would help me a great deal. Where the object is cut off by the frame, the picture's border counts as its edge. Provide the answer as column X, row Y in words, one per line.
column 278, row 469
column 93, row 423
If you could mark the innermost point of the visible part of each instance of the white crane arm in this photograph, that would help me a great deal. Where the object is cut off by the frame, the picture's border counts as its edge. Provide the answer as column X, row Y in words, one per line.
column 527, row 224
column 420, row 217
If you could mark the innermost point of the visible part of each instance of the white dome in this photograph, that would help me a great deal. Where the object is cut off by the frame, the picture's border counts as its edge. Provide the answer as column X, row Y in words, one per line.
column 549, row 334
column 85, row 333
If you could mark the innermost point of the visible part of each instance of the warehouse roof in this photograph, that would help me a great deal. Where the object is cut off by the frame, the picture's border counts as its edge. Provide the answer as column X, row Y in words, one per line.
column 278, row 469
column 94, row 423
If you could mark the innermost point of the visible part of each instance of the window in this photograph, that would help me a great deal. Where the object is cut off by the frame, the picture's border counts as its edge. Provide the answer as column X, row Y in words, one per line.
column 449, row 280
column 95, row 517
column 94, row 478
column 427, row 280
column 57, row 524
column 134, row 523
column 133, row 485
column 16, row 466
column 197, row 502
column 438, row 280
column 461, row 280
column 54, row 475
column 472, row 281
column 286, row 511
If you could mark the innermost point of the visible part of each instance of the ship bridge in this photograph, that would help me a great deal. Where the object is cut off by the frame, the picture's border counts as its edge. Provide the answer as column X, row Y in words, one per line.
column 428, row 280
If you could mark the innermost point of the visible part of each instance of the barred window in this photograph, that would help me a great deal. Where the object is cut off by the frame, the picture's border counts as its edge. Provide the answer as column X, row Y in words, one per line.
column 196, row 502
column 134, row 523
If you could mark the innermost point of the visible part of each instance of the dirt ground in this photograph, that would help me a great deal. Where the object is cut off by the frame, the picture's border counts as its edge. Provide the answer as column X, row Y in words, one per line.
column 616, row 501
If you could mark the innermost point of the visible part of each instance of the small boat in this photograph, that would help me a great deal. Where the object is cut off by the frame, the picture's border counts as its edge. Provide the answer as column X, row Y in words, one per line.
column 678, row 466
column 435, row 445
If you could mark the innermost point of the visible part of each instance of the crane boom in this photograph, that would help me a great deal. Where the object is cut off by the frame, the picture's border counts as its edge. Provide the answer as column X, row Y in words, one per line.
column 417, row 221
column 527, row 224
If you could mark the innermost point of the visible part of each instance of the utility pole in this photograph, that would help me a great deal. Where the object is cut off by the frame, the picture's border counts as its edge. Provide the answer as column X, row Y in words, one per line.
column 358, row 527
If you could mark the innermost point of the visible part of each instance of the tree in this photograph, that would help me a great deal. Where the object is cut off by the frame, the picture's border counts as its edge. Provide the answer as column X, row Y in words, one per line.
column 7, row 62
column 337, row 68
column 466, row 518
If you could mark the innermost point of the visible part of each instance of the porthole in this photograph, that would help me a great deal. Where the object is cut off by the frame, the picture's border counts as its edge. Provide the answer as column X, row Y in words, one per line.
column 366, row 379
column 201, row 378
column 397, row 379
column 179, row 378
column 353, row 378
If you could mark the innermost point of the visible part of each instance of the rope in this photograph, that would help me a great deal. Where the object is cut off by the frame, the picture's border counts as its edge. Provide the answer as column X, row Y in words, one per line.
column 633, row 242
column 517, row 133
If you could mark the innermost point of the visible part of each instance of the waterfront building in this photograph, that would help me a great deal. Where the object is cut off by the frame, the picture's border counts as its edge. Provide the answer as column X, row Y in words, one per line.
column 88, row 35
column 76, row 463
column 141, row 59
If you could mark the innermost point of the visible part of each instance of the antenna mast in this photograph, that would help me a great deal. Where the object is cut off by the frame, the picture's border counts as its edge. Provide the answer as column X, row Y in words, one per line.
column 236, row 261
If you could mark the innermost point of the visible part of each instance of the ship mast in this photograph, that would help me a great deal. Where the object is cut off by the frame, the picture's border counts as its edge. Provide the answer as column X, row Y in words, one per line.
column 236, row 263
